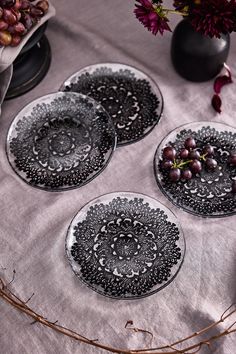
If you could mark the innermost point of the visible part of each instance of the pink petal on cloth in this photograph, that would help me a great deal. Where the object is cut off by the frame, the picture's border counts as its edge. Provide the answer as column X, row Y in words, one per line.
column 220, row 81
column 216, row 103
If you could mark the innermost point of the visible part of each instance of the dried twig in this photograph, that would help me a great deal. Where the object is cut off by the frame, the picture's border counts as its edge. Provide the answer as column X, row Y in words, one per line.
column 130, row 325
column 16, row 302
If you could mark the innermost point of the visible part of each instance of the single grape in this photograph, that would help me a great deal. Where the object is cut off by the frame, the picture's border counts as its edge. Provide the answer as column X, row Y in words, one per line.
column 9, row 17
column 195, row 166
column 166, row 164
column 17, row 5
column 175, row 174
column 169, row 153
column 232, row 158
column 25, row 5
column 15, row 40
column 190, row 143
column 186, row 174
column 10, row 29
column 20, row 28
column 27, row 21
column 3, row 25
column 43, row 4
column 36, row 12
column 5, row 38
column 184, row 154
column 234, row 187
column 208, row 150
column 194, row 155
column 210, row 163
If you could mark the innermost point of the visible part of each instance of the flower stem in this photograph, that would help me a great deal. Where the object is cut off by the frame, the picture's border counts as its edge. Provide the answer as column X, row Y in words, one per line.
column 169, row 11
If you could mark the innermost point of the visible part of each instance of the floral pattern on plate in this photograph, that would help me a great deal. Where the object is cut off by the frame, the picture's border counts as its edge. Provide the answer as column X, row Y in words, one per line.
column 60, row 141
column 208, row 194
column 131, row 98
column 125, row 245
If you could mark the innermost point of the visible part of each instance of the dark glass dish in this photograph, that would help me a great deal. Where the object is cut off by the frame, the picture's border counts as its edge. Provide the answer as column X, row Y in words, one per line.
column 132, row 99
column 208, row 194
column 125, row 245
column 60, row 141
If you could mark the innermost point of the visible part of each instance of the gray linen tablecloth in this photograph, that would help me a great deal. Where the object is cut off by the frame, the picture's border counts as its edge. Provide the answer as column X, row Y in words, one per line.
column 33, row 223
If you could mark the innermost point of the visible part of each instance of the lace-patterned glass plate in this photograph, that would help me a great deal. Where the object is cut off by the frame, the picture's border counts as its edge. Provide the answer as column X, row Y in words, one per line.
column 60, row 141
column 125, row 245
column 132, row 99
column 208, row 194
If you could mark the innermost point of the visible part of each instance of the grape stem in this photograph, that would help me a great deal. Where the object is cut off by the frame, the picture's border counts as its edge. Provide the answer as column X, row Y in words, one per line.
column 180, row 164
column 203, row 157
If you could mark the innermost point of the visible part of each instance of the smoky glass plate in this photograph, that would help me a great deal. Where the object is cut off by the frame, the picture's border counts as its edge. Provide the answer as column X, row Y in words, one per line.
column 60, row 141
column 131, row 98
column 208, row 194
column 125, row 245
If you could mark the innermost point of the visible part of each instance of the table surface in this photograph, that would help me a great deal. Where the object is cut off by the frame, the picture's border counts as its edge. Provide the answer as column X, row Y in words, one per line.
column 33, row 223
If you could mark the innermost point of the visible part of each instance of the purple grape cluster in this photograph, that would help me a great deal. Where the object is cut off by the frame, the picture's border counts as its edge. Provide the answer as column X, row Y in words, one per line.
column 17, row 17
column 189, row 161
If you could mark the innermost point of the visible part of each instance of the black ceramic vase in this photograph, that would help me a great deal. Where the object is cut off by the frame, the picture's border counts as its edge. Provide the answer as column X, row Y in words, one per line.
column 197, row 57
column 31, row 65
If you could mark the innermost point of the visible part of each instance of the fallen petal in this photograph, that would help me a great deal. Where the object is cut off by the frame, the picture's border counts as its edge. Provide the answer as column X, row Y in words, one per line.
column 228, row 70
column 216, row 103
column 220, row 81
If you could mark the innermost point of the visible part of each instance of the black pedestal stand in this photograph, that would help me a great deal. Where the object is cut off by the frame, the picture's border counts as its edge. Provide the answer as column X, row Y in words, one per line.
column 31, row 65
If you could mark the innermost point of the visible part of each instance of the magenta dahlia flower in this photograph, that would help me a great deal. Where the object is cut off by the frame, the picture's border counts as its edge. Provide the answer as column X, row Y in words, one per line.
column 213, row 17
column 151, row 16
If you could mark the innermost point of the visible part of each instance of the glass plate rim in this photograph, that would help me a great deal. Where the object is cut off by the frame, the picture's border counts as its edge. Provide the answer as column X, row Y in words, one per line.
column 31, row 104
column 182, row 208
column 164, row 208
column 155, row 87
